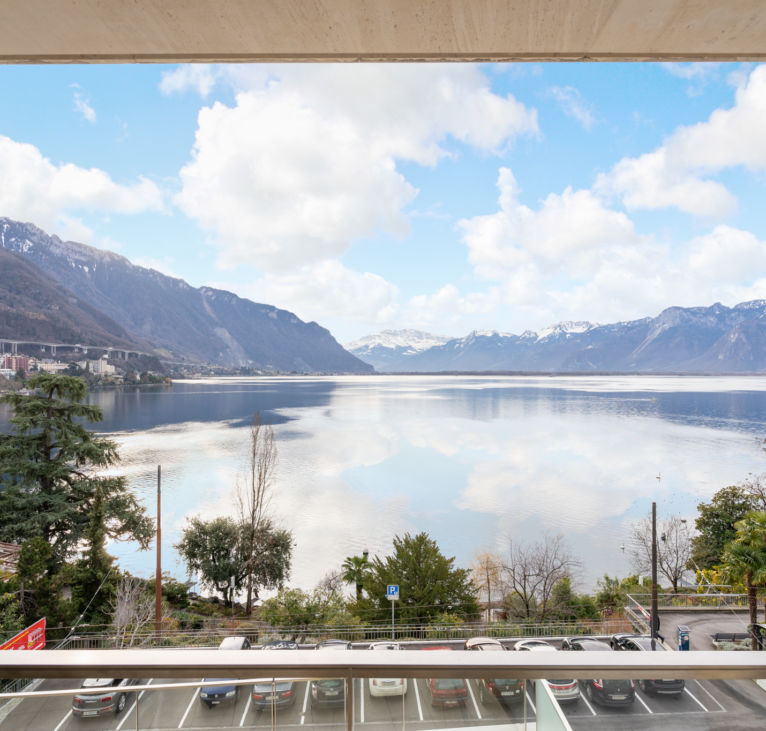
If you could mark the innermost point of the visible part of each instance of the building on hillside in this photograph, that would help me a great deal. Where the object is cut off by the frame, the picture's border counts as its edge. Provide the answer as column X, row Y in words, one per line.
column 101, row 367
column 51, row 366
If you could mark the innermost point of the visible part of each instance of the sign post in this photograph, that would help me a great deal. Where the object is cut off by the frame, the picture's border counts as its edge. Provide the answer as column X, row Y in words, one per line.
column 392, row 594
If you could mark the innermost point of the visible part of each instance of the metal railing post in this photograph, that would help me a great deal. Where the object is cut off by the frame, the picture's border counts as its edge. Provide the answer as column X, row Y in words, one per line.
column 349, row 702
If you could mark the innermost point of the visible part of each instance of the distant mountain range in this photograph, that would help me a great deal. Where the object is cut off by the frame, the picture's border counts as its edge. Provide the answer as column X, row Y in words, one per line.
column 116, row 300
column 389, row 348
column 714, row 339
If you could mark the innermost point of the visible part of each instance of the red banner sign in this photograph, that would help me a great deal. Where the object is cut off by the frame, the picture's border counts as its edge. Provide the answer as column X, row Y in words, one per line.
column 32, row 638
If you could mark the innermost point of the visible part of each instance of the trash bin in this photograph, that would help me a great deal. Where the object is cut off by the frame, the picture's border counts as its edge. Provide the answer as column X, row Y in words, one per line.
column 683, row 637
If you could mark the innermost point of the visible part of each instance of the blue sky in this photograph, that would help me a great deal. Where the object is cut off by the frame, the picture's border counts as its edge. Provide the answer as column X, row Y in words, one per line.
column 446, row 198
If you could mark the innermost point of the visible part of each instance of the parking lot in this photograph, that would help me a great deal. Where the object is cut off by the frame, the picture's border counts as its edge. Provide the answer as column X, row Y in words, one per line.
column 706, row 705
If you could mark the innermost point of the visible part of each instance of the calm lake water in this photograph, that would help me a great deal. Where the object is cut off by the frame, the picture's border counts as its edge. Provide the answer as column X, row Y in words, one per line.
column 476, row 462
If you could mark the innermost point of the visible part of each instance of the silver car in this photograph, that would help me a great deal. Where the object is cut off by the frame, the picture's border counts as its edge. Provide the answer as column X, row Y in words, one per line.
column 113, row 699
column 564, row 691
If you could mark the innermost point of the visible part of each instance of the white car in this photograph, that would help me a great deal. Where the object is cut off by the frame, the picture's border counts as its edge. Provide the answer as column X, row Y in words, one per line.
column 564, row 691
column 380, row 687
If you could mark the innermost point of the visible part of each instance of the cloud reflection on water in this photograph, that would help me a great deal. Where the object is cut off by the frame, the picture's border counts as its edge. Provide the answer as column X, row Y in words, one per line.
column 473, row 461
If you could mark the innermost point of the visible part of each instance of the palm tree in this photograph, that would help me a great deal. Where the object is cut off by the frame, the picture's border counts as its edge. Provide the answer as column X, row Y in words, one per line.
column 745, row 560
column 355, row 569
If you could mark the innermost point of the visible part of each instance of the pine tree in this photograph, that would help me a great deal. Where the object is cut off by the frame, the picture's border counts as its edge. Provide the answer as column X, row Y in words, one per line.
column 48, row 472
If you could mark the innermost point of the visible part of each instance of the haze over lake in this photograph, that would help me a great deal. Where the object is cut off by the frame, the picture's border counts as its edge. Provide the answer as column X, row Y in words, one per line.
column 476, row 462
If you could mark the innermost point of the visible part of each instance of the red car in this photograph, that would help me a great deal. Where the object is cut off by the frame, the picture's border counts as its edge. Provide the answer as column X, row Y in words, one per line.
column 446, row 692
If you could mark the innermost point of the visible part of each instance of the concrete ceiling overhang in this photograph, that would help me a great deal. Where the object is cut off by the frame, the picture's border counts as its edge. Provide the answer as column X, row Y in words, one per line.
column 153, row 31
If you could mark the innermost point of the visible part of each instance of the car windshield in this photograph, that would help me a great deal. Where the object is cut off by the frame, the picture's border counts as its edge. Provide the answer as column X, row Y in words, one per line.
column 99, row 682
column 449, row 683
column 330, row 682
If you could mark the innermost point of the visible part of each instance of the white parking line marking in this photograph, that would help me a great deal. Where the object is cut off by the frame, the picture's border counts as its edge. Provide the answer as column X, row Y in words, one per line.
column 529, row 699
column 305, row 703
column 195, row 693
column 694, row 698
column 63, row 720
column 247, row 708
column 417, row 697
column 132, row 708
column 713, row 698
column 641, row 701
column 585, row 701
column 473, row 699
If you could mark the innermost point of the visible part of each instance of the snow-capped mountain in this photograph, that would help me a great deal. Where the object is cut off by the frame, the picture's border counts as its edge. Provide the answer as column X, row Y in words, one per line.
column 408, row 341
column 389, row 349
column 715, row 339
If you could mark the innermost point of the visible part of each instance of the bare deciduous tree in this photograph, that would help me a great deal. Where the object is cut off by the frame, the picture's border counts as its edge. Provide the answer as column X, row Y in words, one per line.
column 253, row 496
column 534, row 570
column 132, row 609
column 485, row 574
column 674, row 547
column 331, row 583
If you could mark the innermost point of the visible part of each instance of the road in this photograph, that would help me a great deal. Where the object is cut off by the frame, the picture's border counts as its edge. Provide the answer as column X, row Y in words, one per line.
column 704, row 705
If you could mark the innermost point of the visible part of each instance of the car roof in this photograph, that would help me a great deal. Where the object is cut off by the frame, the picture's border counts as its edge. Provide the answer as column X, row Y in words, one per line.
column 533, row 644
column 485, row 643
column 232, row 643
column 437, row 647
column 590, row 643
column 385, row 646
column 333, row 645
column 280, row 645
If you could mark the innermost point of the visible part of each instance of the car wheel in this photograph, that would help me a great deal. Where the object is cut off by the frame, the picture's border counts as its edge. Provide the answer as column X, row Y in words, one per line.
column 121, row 702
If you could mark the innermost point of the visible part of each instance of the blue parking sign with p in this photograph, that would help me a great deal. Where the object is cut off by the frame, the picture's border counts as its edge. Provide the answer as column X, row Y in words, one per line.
column 392, row 591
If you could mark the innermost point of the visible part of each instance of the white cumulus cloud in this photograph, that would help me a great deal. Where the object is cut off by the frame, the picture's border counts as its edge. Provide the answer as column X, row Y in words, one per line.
column 32, row 188
column 327, row 290
column 677, row 174
column 305, row 162
column 562, row 230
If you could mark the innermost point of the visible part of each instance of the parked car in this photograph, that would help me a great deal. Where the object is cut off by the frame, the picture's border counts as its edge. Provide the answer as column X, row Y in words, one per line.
column 564, row 690
column 386, row 686
column 329, row 691
column 271, row 692
column 505, row 690
column 644, row 643
column 214, row 695
column 605, row 691
column 446, row 692
column 113, row 699
column 530, row 643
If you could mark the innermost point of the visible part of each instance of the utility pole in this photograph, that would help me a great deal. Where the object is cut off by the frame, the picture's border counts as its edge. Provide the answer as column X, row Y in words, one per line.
column 655, row 619
column 158, row 575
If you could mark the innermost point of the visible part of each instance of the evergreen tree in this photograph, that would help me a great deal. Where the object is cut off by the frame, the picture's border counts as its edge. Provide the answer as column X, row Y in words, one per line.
column 429, row 583
column 715, row 524
column 48, row 472
column 93, row 591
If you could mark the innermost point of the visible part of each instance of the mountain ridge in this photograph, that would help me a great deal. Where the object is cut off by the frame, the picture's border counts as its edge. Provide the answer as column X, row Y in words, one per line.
column 178, row 321
column 713, row 339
